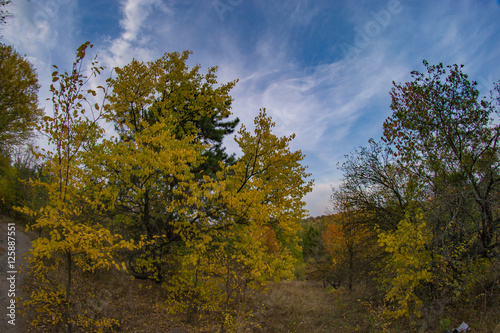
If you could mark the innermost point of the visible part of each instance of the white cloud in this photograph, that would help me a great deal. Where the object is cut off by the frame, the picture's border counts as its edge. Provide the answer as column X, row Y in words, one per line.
column 34, row 29
column 135, row 13
column 133, row 42
column 320, row 106
column 318, row 201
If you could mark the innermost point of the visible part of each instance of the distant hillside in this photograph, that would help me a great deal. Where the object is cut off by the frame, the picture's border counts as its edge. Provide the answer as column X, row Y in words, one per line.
column 315, row 221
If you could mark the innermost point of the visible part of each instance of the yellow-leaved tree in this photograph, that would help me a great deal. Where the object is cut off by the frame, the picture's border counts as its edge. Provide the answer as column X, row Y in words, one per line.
column 73, row 236
column 249, row 235
column 205, row 224
column 212, row 225
column 408, row 265
column 170, row 121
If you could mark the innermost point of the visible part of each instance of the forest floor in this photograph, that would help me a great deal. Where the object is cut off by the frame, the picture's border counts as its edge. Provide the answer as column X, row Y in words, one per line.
column 289, row 306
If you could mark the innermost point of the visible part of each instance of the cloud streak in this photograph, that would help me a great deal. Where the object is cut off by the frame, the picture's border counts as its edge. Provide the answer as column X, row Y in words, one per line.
column 133, row 42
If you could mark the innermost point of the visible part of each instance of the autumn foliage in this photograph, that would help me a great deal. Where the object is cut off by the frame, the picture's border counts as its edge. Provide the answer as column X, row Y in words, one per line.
column 427, row 193
column 161, row 200
column 415, row 222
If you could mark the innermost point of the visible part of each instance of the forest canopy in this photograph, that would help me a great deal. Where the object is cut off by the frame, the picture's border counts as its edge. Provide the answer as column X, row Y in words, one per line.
column 428, row 195
column 161, row 196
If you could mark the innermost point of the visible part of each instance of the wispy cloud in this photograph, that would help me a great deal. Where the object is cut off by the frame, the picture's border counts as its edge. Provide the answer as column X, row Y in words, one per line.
column 133, row 42
column 34, row 30
column 288, row 57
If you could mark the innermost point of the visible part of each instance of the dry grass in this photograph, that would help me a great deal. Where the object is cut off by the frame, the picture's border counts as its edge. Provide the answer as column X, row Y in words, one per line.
column 136, row 304
column 294, row 306
column 290, row 306
column 139, row 306
column 303, row 306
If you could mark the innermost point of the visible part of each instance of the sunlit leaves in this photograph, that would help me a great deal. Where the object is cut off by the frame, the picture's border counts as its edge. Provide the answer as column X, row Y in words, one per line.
column 75, row 237
column 253, row 238
column 205, row 225
column 409, row 263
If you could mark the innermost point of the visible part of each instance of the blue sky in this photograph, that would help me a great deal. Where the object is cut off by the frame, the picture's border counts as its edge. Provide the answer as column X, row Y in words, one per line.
column 322, row 69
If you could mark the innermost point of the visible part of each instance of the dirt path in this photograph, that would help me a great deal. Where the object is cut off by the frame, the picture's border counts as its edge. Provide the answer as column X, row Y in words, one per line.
column 11, row 272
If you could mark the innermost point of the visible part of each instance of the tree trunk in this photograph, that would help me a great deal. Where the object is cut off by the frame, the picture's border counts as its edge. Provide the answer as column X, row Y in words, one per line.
column 68, row 293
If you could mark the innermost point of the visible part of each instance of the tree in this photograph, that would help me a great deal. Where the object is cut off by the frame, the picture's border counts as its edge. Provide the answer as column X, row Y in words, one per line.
column 3, row 12
column 71, row 217
column 147, row 180
column 313, row 253
column 211, row 225
column 15, row 189
column 8, row 176
column 445, row 136
column 160, row 107
column 431, row 189
column 349, row 243
column 408, row 266
column 249, row 233
column 19, row 111
column 375, row 184
column 167, row 87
